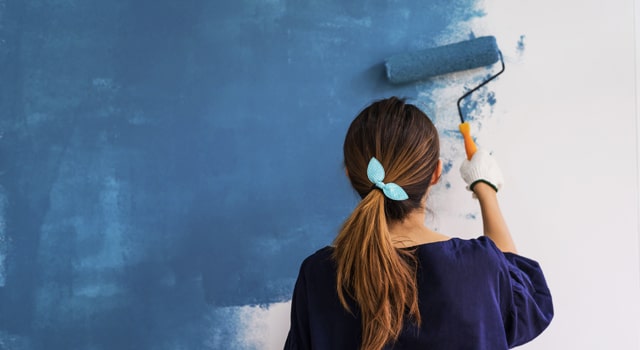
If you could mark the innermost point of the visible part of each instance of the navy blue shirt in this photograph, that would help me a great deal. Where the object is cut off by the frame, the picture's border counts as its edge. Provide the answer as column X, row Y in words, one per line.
column 471, row 296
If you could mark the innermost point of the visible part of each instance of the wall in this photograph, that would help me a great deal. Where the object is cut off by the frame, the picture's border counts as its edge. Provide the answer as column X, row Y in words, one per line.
column 165, row 166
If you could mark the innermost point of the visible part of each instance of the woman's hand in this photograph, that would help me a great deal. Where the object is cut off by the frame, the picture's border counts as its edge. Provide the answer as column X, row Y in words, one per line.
column 481, row 168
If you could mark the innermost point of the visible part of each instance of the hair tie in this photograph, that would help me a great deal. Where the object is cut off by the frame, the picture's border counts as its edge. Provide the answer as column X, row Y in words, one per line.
column 375, row 173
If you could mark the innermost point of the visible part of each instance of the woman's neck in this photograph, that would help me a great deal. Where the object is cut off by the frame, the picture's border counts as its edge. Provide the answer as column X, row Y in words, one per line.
column 412, row 231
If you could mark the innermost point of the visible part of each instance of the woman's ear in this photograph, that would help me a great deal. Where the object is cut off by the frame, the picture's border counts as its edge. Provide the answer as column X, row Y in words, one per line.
column 436, row 174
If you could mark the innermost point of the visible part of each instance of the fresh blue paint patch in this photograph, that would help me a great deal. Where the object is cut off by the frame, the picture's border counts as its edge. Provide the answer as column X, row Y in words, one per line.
column 520, row 46
column 171, row 161
column 451, row 133
column 491, row 98
column 446, row 166
column 471, row 106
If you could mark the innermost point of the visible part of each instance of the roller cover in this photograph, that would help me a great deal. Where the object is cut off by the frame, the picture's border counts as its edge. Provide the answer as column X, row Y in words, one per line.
column 423, row 64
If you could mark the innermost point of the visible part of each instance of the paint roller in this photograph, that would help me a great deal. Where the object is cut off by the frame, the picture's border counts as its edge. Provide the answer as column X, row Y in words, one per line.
column 464, row 55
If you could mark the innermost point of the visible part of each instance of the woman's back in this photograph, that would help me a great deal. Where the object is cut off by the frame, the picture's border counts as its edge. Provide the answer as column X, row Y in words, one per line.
column 471, row 296
column 365, row 293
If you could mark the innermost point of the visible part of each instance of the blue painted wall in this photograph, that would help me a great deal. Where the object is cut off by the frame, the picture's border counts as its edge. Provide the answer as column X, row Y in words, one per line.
column 161, row 160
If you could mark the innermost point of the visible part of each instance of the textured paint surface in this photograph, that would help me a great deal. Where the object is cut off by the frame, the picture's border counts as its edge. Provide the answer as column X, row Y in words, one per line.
column 166, row 165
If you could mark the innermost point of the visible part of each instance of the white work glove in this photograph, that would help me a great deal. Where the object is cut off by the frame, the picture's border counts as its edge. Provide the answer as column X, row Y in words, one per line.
column 481, row 168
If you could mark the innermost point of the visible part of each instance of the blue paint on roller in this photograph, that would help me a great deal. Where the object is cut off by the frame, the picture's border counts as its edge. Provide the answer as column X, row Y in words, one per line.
column 420, row 65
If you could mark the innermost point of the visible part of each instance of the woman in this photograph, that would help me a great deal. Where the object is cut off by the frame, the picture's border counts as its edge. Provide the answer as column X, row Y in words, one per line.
column 390, row 282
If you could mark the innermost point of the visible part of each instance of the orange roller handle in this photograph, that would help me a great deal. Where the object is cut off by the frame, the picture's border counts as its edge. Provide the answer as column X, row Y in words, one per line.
column 469, row 146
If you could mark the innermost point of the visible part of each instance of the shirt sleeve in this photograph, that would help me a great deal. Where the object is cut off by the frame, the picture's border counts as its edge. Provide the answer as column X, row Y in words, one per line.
column 527, row 304
column 299, row 334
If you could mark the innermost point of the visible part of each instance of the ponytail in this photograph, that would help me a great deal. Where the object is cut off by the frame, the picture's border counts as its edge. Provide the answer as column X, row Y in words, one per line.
column 378, row 276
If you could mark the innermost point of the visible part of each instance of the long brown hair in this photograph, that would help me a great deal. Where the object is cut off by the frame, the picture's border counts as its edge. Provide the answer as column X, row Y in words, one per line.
column 370, row 270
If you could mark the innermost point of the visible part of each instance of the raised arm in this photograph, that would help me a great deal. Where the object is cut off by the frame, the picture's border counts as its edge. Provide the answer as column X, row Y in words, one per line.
column 484, row 178
column 493, row 222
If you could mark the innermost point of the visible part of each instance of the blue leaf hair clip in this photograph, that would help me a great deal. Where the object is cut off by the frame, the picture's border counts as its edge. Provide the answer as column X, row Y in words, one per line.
column 375, row 173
